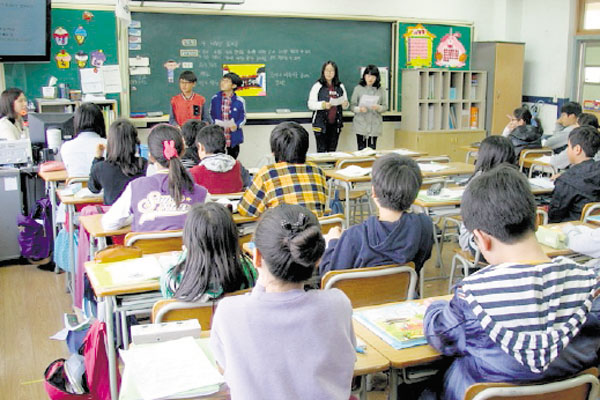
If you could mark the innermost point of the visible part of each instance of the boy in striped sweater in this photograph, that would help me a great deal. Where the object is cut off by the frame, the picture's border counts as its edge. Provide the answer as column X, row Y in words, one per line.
column 523, row 318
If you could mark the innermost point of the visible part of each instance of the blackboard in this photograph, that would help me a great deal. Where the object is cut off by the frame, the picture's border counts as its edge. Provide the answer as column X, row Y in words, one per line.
column 292, row 49
column 100, row 27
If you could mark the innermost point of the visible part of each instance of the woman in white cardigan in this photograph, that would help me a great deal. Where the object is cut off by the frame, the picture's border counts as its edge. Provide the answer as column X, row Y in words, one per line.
column 13, row 105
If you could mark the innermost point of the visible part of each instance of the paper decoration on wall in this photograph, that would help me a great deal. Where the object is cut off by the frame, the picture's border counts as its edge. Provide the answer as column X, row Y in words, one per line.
column 419, row 46
column 187, row 65
column 61, row 36
column 98, row 58
column 451, row 52
column 63, row 59
column 135, row 46
column 171, row 66
column 81, row 58
column 254, row 78
column 189, row 53
column 87, row 16
column 135, row 24
column 80, row 35
column 189, row 42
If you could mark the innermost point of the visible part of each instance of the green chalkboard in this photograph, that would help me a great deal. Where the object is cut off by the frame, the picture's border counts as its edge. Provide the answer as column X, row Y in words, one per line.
column 292, row 49
column 433, row 46
column 100, row 28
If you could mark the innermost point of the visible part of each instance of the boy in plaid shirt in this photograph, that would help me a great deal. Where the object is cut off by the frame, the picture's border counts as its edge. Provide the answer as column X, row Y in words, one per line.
column 290, row 180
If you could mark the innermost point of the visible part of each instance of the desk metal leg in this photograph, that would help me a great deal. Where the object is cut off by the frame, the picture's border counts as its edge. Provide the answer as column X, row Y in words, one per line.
column 393, row 384
column 110, row 345
column 51, row 188
column 73, row 266
column 347, row 206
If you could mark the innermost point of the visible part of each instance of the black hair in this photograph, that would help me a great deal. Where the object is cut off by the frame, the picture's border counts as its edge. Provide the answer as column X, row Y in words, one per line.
column 89, row 118
column 571, row 108
column 213, row 254
column 587, row 137
column 289, row 143
column 371, row 70
column 7, row 103
column 179, row 180
column 524, row 114
column 121, row 147
column 212, row 138
column 396, row 181
column 499, row 202
column 290, row 240
column 190, row 130
column 188, row 76
column 235, row 79
column 336, row 79
column 494, row 150
column 587, row 119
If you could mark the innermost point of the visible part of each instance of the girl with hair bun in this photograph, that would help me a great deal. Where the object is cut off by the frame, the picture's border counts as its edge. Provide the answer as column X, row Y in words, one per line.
column 161, row 201
column 260, row 337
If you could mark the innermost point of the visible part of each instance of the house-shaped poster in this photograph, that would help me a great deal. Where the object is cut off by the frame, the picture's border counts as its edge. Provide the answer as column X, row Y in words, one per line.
column 419, row 46
column 450, row 52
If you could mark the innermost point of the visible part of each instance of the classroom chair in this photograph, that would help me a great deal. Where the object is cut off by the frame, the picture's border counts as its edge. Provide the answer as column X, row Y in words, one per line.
column 358, row 198
column 155, row 242
column 589, row 210
column 527, row 155
column 78, row 179
column 331, row 221
column 374, row 285
column 166, row 310
column 584, row 386
column 440, row 159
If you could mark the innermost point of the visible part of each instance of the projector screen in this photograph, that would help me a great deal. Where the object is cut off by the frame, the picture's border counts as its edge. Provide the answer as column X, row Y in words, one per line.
column 24, row 30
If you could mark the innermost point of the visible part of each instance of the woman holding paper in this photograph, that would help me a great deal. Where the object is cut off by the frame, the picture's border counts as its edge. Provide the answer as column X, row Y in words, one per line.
column 369, row 100
column 13, row 105
column 327, row 98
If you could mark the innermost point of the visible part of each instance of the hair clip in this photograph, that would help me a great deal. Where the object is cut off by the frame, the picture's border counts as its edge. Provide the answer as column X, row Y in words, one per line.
column 294, row 227
column 169, row 150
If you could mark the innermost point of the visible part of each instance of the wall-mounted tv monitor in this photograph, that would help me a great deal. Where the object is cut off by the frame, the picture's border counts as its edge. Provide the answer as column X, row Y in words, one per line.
column 25, row 30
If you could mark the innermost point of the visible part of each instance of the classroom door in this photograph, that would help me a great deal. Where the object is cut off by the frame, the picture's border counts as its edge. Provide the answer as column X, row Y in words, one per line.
column 588, row 87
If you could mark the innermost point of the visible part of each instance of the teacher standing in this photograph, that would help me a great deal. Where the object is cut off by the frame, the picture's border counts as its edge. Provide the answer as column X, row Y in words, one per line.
column 327, row 99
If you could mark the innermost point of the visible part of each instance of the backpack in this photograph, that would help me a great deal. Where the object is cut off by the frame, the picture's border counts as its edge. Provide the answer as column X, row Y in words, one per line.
column 35, row 238
column 96, row 369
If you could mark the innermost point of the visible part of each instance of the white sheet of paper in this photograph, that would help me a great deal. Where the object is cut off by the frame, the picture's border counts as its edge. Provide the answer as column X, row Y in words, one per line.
column 112, row 79
column 544, row 159
column 354, row 171
column 139, row 71
column 134, row 270
column 10, row 184
column 225, row 124
column 367, row 100
column 545, row 183
column 338, row 101
column 432, row 167
column 367, row 151
column 139, row 61
column 92, row 80
column 404, row 152
column 170, row 367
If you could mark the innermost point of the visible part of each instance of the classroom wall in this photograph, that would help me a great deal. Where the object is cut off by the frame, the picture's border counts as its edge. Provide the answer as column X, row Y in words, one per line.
column 546, row 26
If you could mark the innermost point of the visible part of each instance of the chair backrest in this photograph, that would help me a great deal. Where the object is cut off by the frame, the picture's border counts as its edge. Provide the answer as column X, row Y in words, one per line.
column 584, row 386
column 366, row 162
column 155, row 242
column 442, row 159
column 374, row 285
column 541, row 217
column 78, row 179
column 533, row 153
column 114, row 253
column 166, row 310
column 331, row 221
column 590, row 209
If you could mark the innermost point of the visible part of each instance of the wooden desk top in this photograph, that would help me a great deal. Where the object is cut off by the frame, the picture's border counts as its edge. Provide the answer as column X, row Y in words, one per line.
column 93, row 224
column 402, row 358
column 371, row 360
column 240, row 219
column 71, row 199
column 102, row 282
column 54, row 176
column 472, row 149
column 454, row 168
column 327, row 158
column 551, row 251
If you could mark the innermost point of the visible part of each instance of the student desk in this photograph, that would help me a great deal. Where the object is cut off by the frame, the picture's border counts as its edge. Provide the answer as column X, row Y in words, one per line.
column 51, row 180
column 333, row 157
column 471, row 152
column 399, row 359
column 532, row 161
column 93, row 225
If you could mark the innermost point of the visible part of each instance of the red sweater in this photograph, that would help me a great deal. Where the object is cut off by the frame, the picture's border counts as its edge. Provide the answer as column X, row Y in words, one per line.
column 183, row 109
column 218, row 182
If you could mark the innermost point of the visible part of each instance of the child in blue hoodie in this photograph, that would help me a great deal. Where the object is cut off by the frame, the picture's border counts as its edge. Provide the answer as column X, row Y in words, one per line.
column 397, row 236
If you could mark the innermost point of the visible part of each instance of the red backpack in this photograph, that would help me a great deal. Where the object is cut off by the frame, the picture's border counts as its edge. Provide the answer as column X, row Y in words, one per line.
column 96, row 369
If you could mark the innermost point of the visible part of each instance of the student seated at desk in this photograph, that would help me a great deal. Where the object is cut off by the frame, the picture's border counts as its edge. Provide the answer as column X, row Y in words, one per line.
column 159, row 202
column 281, row 342
column 580, row 184
column 218, row 172
column 121, row 166
column 290, row 180
column 190, row 130
column 569, row 113
column 211, row 264
column 494, row 150
column 522, row 133
column 77, row 154
column 396, row 236
column 13, row 105
column 525, row 317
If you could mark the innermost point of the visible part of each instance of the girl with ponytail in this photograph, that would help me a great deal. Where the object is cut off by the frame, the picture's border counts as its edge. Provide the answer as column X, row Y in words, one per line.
column 161, row 201
column 261, row 337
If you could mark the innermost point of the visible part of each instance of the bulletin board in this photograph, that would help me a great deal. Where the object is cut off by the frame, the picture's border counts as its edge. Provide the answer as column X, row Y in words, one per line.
column 89, row 32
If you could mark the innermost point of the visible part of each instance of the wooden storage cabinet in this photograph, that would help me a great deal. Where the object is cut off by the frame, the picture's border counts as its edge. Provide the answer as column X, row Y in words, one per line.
column 442, row 110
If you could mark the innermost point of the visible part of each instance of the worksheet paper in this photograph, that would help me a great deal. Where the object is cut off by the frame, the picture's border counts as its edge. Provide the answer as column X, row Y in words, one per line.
column 368, row 101
column 338, row 101
column 225, row 124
